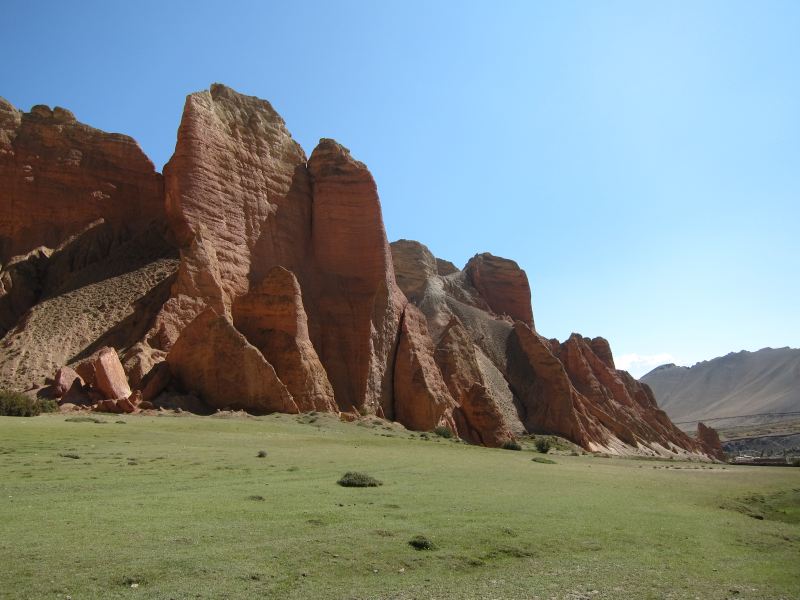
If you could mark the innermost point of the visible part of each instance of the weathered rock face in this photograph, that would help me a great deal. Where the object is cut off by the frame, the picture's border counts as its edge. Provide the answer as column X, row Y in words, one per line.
column 477, row 415
column 421, row 398
column 503, row 285
column 238, row 172
column 58, row 175
column 287, row 296
column 242, row 201
column 358, row 304
column 568, row 389
column 709, row 440
column 214, row 360
column 272, row 318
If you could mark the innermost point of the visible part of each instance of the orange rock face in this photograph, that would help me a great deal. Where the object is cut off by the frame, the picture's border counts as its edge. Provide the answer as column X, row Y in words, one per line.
column 58, row 175
column 421, row 398
column 477, row 414
column 272, row 318
column 241, row 201
column 568, row 389
column 212, row 359
column 287, row 296
column 709, row 440
column 238, row 172
column 357, row 304
column 503, row 285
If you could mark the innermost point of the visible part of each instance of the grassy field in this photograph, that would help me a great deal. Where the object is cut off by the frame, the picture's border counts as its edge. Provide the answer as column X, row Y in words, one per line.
column 183, row 507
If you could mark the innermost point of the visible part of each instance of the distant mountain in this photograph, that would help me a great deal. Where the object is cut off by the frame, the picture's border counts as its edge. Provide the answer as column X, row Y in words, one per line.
column 727, row 390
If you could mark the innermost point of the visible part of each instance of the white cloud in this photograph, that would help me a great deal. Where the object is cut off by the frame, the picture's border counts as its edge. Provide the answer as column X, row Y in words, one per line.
column 640, row 364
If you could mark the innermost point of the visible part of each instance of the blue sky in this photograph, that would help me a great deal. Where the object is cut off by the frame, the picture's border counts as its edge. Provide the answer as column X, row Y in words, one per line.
column 640, row 160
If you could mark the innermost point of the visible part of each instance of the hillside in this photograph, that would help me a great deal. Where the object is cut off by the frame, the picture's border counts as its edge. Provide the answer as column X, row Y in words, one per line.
column 737, row 389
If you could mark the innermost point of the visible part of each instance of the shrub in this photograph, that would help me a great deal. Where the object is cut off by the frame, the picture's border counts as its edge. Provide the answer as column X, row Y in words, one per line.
column 48, row 406
column 262, row 454
column 14, row 404
column 353, row 479
column 443, row 431
column 420, row 542
column 511, row 445
column 544, row 461
column 543, row 445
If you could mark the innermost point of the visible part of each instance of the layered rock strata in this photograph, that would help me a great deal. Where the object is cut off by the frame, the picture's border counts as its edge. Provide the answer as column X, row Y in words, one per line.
column 256, row 278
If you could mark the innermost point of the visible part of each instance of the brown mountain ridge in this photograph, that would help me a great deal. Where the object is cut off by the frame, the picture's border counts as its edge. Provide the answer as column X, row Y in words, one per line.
column 253, row 277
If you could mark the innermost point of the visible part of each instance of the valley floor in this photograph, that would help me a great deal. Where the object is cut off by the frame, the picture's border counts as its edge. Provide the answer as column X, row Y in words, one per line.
column 183, row 507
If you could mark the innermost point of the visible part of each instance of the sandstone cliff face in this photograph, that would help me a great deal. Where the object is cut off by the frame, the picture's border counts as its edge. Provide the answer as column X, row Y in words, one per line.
column 358, row 304
column 503, row 285
column 567, row 388
column 212, row 359
column 286, row 295
column 82, row 242
column 58, row 175
column 272, row 317
column 709, row 441
column 242, row 202
column 421, row 398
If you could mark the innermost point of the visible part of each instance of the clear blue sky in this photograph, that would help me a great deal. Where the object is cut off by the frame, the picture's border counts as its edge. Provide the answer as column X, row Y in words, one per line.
column 641, row 160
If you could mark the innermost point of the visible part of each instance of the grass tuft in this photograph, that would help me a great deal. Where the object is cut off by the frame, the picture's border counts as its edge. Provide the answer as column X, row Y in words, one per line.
column 443, row 432
column 354, row 479
column 420, row 542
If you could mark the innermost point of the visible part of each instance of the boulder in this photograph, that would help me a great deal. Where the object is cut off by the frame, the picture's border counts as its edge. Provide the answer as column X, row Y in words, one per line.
column 64, row 379
column 155, row 382
column 110, row 378
column 76, row 395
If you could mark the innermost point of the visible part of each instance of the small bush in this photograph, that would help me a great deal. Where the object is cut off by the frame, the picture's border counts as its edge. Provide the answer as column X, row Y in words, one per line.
column 69, row 455
column 443, row 431
column 544, row 461
column 14, row 404
column 511, row 445
column 84, row 420
column 48, row 406
column 353, row 479
column 262, row 454
column 543, row 445
column 420, row 542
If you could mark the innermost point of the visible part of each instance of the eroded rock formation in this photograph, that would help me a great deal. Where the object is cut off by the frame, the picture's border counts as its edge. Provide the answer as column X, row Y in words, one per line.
column 254, row 278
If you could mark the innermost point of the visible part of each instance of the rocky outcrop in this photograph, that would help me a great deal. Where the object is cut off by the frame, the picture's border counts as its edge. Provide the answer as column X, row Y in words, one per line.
column 422, row 401
column 568, row 389
column 710, row 442
column 478, row 414
column 286, row 295
column 237, row 171
column 217, row 363
column 58, row 175
column 272, row 317
column 358, row 304
column 503, row 285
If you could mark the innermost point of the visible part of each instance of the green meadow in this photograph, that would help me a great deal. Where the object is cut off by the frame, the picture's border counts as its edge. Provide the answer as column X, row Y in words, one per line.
column 184, row 507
